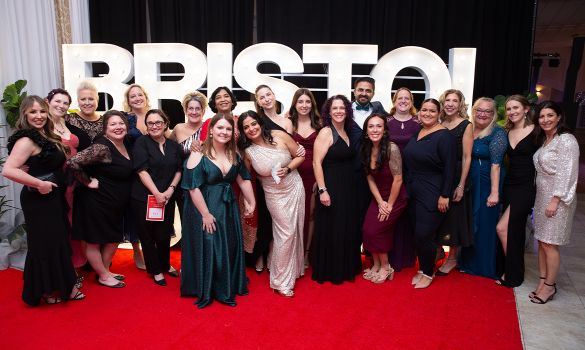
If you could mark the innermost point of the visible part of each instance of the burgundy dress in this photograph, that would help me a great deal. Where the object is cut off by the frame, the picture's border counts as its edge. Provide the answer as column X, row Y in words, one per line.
column 378, row 235
column 308, row 176
column 403, row 253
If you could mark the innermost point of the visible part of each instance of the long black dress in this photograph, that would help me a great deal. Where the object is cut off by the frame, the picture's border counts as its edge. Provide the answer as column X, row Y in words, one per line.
column 48, row 268
column 518, row 193
column 336, row 242
column 98, row 214
column 430, row 166
column 457, row 230
column 212, row 264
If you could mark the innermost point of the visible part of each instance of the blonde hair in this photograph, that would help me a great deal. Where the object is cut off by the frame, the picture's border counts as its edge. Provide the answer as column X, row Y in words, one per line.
column 47, row 130
column 126, row 104
column 412, row 110
column 87, row 85
column 488, row 130
column 194, row 96
column 462, row 105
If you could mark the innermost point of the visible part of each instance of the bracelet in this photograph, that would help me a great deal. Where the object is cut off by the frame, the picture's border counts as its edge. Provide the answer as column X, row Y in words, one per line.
column 288, row 170
column 459, row 186
column 322, row 190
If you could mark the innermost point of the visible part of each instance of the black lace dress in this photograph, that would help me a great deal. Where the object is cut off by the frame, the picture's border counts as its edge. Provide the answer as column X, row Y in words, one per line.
column 48, row 268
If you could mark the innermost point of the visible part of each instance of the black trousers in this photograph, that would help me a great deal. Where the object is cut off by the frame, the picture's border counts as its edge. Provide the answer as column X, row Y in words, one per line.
column 155, row 236
column 426, row 224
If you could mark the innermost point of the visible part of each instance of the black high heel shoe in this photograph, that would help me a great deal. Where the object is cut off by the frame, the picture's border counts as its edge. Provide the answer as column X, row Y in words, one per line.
column 161, row 282
column 535, row 299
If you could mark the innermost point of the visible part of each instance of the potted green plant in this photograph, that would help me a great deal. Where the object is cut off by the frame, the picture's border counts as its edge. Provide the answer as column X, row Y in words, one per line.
column 11, row 100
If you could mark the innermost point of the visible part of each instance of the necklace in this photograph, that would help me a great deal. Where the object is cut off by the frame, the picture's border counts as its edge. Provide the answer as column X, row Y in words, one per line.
column 63, row 127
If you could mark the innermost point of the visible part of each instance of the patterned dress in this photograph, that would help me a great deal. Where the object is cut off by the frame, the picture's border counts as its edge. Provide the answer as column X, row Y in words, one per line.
column 286, row 204
column 557, row 166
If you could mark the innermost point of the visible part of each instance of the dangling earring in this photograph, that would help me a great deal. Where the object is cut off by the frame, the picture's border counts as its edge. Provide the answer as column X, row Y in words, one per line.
column 210, row 135
column 525, row 115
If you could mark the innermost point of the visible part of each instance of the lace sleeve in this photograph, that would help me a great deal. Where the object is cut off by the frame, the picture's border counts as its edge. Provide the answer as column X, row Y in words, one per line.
column 498, row 145
column 395, row 160
column 94, row 154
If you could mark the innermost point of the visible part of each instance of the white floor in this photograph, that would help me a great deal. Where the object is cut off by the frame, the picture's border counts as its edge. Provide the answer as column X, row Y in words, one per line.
column 559, row 324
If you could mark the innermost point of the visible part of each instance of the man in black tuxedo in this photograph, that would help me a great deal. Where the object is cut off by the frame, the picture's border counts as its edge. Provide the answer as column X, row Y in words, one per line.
column 363, row 92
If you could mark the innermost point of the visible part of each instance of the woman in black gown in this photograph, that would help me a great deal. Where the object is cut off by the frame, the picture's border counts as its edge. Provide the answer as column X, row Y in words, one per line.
column 336, row 241
column 518, row 192
column 157, row 161
column 105, row 171
column 430, row 165
column 48, row 271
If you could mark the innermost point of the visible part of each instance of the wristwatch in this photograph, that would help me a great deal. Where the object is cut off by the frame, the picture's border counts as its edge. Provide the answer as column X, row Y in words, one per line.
column 322, row 190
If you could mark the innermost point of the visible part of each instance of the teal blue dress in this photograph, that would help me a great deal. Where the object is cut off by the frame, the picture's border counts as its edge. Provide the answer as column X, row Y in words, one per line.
column 212, row 265
column 480, row 259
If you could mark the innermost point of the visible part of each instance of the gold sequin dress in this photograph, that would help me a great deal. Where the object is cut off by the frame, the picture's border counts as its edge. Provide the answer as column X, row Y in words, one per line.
column 286, row 204
column 557, row 167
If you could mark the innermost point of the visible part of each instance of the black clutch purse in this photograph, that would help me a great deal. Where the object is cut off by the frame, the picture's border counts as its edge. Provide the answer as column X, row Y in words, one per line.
column 46, row 177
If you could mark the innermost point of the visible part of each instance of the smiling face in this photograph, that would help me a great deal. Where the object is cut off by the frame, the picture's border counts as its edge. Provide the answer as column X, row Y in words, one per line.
column 403, row 102
column 222, row 131
column 36, row 116
column 252, row 129
column 452, row 105
column 155, row 125
column 429, row 115
column 515, row 112
column 88, row 102
column 303, row 105
column 337, row 111
column 59, row 105
column 363, row 92
column 136, row 98
column 375, row 128
column 266, row 99
column 116, row 128
column 194, row 112
column 483, row 115
column 549, row 120
column 223, row 102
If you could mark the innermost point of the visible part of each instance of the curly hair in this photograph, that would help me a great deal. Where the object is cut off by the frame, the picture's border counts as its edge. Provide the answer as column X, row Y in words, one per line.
column 47, row 129
column 243, row 141
column 326, row 111
column 462, row 105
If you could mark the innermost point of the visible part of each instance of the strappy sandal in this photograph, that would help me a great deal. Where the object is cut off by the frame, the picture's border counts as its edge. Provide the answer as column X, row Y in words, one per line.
column 383, row 275
column 77, row 296
column 533, row 293
column 369, row 274
column 537, row 300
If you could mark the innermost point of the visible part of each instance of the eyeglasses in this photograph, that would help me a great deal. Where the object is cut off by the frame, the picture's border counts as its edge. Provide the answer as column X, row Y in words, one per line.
column 484, row 111
column 156, row 123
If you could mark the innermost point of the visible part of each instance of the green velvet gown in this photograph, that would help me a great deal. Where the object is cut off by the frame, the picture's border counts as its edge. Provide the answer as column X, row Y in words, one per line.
column 212, row 265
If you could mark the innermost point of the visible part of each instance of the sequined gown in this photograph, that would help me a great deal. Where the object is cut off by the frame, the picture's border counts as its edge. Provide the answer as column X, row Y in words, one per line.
column 286, row 204
column 557, row 167
column 480, row 259
column 212, row 265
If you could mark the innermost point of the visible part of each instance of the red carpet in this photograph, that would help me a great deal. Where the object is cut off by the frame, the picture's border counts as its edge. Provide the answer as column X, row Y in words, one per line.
column 457, row 312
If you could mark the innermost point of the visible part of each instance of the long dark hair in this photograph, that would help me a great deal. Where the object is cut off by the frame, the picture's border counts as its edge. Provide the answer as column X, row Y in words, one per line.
column 314, row 115
column 326, row 111
column 243, row 141
column 561, row 127
column 368, row 145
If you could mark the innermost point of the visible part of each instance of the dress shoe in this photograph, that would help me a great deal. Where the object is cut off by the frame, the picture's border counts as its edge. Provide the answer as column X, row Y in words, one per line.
column 161, row 282
column 173, row 272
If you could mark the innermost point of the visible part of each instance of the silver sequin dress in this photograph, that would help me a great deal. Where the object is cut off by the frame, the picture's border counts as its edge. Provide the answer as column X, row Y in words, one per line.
column 286, row 204
column 557, row 167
